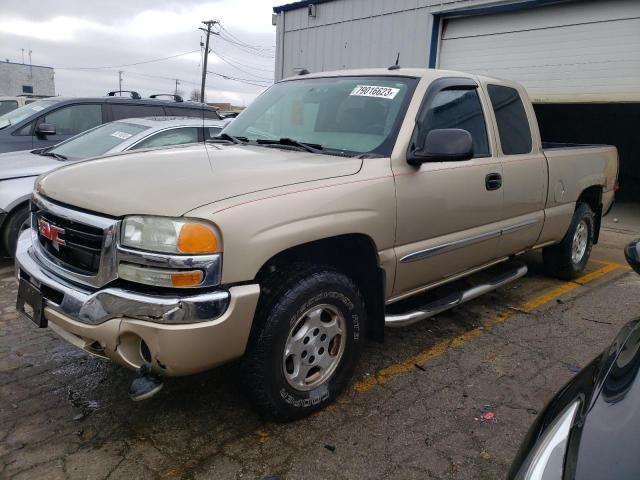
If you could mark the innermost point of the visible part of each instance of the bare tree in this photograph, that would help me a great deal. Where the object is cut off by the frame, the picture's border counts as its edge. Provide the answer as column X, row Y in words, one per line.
column 195, row 95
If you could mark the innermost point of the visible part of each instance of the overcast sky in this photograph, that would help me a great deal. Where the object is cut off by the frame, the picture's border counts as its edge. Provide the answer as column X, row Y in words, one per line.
column 73, row 34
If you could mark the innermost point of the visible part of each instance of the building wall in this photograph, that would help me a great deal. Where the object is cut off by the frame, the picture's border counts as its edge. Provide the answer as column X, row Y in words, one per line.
column 358, row 33
column 14, row 75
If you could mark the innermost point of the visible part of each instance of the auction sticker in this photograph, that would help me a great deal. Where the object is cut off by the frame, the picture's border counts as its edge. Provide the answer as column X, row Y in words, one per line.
column 37, row 108
column 122, row 135
column 373, row 91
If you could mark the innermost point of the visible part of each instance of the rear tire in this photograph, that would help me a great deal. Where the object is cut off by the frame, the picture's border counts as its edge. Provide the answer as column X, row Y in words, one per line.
column 568, row 259
column 14, row 225
column 306, row 340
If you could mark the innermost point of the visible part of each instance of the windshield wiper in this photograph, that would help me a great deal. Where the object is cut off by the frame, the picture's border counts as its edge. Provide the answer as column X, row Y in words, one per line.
column 230, row 138
column 289, row 142
column 57, row 156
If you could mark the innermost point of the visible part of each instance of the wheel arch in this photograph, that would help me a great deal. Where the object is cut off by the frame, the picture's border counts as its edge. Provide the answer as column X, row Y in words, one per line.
column 592, row 196
column 354, row 254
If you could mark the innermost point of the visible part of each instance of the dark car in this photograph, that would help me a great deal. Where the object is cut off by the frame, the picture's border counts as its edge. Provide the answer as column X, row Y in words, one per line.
column 49, row 121
column 589, row 430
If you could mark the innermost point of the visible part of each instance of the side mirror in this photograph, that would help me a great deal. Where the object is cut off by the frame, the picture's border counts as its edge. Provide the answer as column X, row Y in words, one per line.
column 45, row 129
column 444, row 145
column 632, row 252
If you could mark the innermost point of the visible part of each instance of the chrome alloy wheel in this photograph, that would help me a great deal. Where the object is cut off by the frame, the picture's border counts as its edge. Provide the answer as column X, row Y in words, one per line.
column 579, row 244
column 314, row 347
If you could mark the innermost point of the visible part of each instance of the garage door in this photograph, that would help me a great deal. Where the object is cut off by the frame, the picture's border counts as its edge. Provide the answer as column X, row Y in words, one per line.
column 571, row 52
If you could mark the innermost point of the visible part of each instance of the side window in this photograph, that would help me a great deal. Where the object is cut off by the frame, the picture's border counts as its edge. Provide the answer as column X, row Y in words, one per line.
column 211, row 114
column 75, row 118
column 26, row 130
column 184, row 112
column 124, row 110
column 7, row 105
column 175, row 136
column 513, row 125
column 211, row 132
column 459, row 108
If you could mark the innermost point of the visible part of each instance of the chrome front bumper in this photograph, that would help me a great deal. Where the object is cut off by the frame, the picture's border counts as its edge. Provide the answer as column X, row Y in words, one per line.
column 177, row 335
column 96, row 307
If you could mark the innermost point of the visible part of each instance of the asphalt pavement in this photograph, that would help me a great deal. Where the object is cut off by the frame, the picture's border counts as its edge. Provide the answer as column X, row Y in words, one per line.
column 448, row 398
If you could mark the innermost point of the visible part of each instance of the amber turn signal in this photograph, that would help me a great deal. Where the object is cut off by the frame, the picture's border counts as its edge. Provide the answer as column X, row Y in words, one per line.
column 197, row 238
column 186, row 279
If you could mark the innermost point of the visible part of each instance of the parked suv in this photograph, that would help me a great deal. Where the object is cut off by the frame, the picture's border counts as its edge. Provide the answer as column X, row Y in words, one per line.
column 50, row 121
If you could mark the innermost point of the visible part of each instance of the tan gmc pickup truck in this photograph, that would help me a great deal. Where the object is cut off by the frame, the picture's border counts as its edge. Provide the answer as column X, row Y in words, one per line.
column 302, row 228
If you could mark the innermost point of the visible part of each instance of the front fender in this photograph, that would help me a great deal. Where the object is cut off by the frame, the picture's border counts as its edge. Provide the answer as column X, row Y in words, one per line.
column 15, row 191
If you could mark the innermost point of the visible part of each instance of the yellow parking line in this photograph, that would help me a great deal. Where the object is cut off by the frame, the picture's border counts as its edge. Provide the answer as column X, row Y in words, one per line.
column 392, row 371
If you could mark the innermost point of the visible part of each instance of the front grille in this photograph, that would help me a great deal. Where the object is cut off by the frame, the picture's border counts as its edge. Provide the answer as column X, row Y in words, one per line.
column 74, row 245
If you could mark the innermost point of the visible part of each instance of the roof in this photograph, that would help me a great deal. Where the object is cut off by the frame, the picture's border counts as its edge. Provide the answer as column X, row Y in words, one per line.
column 301, row 4
column 174, row 121
column 25, row 65
column 377, row 72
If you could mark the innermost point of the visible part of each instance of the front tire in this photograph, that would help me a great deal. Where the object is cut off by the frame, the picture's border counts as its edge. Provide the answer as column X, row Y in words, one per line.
column 568, row 259
column 306, row 341
column 16, row 223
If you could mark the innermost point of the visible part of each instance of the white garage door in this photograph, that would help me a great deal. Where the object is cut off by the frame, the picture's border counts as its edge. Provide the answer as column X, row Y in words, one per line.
column 571, row 52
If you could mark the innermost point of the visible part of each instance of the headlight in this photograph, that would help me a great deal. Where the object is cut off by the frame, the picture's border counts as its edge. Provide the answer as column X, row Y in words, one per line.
column 546, row 461
column 169, row 235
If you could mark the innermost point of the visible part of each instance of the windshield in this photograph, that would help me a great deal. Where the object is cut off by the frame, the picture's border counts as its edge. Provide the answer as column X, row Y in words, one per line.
column 97, row 141
column 348, row 114
column 16, row 116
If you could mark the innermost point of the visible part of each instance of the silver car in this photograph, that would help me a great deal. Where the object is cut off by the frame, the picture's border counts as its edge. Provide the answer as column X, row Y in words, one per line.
column 18, row 170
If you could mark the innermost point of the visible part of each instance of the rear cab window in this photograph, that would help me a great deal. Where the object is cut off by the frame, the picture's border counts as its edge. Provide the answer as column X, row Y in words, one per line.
column 513, row 125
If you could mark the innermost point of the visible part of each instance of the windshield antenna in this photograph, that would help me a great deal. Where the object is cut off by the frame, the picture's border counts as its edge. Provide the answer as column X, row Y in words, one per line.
column 397, row 64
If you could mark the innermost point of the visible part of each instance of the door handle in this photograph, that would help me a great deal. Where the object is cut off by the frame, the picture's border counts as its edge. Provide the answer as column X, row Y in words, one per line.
column 493, row 181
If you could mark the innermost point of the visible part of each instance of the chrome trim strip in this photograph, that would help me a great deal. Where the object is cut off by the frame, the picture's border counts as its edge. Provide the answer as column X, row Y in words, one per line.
column 94, row 308
column 210, row 264
column 518, row 226
column 456, row 244
column 455, row 299
column 448, row 247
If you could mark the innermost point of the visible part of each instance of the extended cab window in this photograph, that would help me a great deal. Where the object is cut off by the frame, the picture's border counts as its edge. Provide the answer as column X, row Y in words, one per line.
column 513, row 125
column 75, row 118
column 459, row 108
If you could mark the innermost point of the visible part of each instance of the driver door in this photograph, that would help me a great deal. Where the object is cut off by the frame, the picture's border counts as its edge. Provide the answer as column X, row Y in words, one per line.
column 448, row 210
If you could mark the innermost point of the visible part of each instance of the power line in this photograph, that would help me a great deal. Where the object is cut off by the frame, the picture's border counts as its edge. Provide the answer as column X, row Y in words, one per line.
column 129, row 64
column 248, row 81
column 228, row 62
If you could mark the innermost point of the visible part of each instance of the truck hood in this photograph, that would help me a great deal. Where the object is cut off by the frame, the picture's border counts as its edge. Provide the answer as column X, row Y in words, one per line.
column 25, row 164
column 172, row 181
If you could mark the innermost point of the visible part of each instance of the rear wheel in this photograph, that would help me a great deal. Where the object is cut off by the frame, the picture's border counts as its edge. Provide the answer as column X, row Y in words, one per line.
column 15, row 224
column 305, row 343
column 568, row 259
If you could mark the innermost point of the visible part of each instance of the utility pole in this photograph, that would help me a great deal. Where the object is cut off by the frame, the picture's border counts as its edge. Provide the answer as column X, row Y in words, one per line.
column 22, row 55
column 209, row 24
column 120, row 72
column 177, row 83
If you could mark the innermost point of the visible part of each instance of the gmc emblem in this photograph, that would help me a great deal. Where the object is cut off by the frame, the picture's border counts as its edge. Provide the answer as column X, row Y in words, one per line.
column 50, row 232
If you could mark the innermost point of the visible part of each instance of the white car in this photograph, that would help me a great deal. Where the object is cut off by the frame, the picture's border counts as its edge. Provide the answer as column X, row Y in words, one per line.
column 18, row 170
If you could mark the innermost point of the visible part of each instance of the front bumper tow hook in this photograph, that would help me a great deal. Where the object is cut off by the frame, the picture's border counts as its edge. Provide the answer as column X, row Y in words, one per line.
column 145, row 385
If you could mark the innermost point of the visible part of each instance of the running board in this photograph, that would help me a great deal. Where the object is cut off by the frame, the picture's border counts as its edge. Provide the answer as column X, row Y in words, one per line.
column 455, row 299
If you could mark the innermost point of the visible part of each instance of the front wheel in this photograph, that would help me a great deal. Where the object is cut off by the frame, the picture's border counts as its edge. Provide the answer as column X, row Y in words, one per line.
column 305, row 343
column 16, row 223
column 568, row 259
